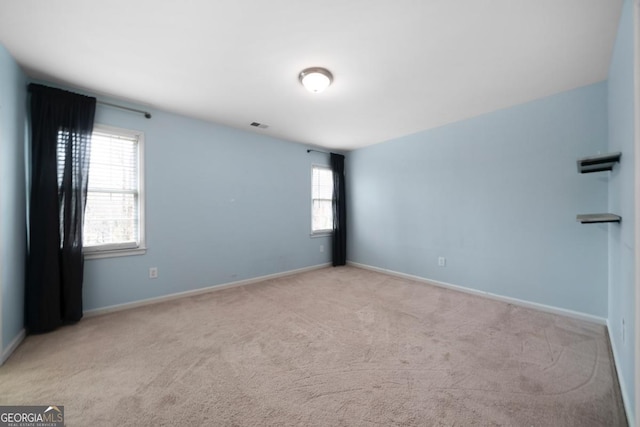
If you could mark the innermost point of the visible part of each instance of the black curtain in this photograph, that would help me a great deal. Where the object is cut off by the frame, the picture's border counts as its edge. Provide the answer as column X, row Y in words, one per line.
column 339, row 211
column 61, row 126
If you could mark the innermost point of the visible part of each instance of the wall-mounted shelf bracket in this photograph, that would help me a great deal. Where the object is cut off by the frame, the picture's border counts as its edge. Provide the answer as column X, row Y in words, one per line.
column 596, row 218
column 601, row 162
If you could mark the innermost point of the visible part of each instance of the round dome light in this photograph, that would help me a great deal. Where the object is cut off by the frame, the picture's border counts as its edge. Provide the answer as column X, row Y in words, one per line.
column 315, row 79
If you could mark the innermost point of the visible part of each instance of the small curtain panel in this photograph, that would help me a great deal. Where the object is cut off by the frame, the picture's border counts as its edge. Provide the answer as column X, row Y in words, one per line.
column 339, row 211
column 61, row 126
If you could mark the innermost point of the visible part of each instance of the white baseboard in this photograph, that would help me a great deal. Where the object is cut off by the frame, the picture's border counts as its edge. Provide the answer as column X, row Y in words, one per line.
column 625, row 397
column 155, row 300
column 12, row 346
column 510, row 300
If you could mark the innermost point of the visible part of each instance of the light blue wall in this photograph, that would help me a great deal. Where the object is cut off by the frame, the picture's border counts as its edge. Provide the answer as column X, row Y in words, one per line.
column 222, row 205
column 497, row 195
column 621, row 202
column 12, row 196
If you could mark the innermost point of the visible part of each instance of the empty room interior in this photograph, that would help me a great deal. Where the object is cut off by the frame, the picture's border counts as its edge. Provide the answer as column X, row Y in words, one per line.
column 337, row 213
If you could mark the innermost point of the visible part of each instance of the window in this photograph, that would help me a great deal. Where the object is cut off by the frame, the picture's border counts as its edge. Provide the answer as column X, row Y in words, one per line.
column 114, row 217
column 321, row 200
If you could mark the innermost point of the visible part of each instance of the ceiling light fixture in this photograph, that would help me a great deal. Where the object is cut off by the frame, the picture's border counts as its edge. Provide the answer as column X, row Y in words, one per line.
column 315, row 79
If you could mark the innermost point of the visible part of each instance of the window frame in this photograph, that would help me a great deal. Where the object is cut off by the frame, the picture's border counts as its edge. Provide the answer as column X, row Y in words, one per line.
column 324, row 232
column 124, row 249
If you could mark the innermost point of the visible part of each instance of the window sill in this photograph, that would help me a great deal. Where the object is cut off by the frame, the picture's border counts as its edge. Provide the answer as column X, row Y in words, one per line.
column 321, row 234
column 114, row 253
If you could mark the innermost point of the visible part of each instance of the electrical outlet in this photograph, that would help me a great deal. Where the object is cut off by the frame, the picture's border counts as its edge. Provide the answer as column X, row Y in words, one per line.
column 321, row 248
column 442, row 261
column 153, row 273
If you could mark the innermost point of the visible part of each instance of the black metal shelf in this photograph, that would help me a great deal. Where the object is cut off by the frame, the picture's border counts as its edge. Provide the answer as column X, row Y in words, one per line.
column 598, row 163
column 598, row 218
column 601, row 162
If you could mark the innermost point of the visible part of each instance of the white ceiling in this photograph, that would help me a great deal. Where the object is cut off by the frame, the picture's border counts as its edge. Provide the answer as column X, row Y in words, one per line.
column 399, row 66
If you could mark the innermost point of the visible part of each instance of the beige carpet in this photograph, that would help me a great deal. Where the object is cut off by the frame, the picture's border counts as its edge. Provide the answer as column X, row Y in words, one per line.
column 332, row 347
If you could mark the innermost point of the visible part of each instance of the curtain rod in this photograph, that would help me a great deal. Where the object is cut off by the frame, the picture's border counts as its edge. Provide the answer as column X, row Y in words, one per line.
column 122, row 107
column 317, row 151
column 147, row 114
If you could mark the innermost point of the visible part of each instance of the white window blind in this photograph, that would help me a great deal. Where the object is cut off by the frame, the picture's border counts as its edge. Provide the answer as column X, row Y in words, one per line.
column 113, row 214
column 321, row 199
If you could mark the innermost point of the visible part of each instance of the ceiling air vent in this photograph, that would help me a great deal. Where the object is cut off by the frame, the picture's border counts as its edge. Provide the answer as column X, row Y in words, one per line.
column 259, row 125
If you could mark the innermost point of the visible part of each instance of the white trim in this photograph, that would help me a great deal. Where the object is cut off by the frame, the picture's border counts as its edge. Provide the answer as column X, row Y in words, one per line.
column 108, row 251
column 321, row 234
column 178, row 295
column 114, row 253
column 110, row 247
column 12, row 346
column 636, row 224
column 317, row 233
column 515, row 301
column 625, row 397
